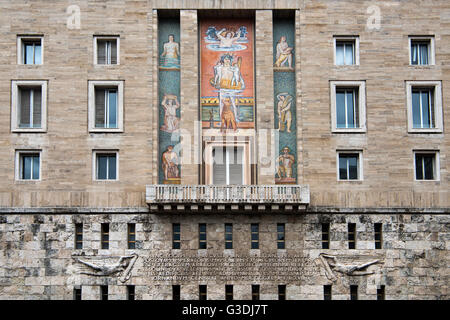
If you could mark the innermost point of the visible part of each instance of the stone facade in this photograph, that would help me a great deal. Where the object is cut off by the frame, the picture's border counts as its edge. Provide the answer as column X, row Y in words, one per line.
column 37, row 218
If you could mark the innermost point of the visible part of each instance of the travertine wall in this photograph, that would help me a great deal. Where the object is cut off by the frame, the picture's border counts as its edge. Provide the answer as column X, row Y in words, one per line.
column 38, row 256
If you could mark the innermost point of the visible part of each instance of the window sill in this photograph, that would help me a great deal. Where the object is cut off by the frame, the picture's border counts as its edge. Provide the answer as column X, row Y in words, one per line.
column 105, row 130
column 425, row 131
column 29, row 130
column 356, row 130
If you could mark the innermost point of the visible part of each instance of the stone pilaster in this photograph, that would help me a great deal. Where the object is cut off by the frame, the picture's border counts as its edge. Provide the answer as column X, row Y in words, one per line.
column 264, row 94
column 189, row 95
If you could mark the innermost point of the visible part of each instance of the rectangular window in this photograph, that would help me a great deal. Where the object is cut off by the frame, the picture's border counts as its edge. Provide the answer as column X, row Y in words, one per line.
column 378, row 235
column 104, row 292
column 325, row 236
column 327, row 292
column 29, row 165
column 345, row 52
column 347, row 110
column 420, row 51
column 29, row 110
column 131, row 292
column 131, row 236
column 282, row 292
column 176, row 292
column 228, row 165
column 426, row 166
column 352, row 235
column 77, row 293
column 228, row 292
column 228, row 236
column 105, row 235
column 255, row 291
column 349, row 164
column 106, row 51
column 281, row 236
column 202, row 236
column 78, row 236
column 106, row 106
column 380, row 293
column 30, row 49
column 106, row 165
column 254, row 234
column 424, row 106
column 353, row 292
column 202, row 292
column 176, row 236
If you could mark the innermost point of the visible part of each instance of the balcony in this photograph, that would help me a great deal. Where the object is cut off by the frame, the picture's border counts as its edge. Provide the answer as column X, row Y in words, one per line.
column 227, row 197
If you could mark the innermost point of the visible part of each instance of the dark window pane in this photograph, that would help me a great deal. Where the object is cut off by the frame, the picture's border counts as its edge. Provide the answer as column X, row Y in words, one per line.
column 350, row 110
column 100, row 108
column 112, row 108
column 428, row 164
column 425, row 109
column 353, row 167
column 340, row 109
column 102, row 167
column 417, row 122
column 112, row 167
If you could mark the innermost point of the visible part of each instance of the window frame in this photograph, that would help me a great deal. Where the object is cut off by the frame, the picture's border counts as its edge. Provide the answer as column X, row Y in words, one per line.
column 360, row 171
column 78, row 227
column 351, row 242
column 437, row 105
column 436, row 165
column 95, row 154
column 104, row 244
column 325, row 234
column 361, row 87
column 201, row 241
column 95, row 49
column 431, row 50
column 119, row 85
column 281, row 243
column 18, row 164
column 21, row 39
column 225, row 236
column 254, row 241
column 176, row 242
column 355, row 40
column 15, row 84
column 131, row 233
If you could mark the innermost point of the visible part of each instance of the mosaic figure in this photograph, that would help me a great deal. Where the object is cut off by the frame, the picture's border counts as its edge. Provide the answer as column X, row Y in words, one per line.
column 284, row 111
column 170, row 58
column 284, row 53
column 170, row 163
column 284, row 164
column 171, row 121
column 227, row 118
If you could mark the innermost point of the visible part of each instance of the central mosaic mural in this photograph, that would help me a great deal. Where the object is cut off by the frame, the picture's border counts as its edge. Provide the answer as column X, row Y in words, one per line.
column 227, row 96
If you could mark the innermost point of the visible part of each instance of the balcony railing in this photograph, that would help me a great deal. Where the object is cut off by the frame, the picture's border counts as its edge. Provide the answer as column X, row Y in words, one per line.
column 227, row 194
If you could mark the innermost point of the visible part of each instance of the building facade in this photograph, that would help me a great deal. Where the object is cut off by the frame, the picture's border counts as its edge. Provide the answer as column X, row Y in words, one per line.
column 206, row 149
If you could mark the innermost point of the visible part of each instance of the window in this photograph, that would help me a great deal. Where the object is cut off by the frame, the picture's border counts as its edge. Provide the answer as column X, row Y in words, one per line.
column 353, row 292
column 105, row 165
column 105, row 106
column 426, row 165
column 380, row 293
column 327, row 292
column 131, row 236
column 280, row 236
column 202, row 292
column 282, row 292
column 424, row 103
column 228, row 292
column 228, row 165
column 106, row 50
column 175, row 292
column 346, row 51
column 421, row 50
column 254, row 232
column 28, row 164
column 78, row 236
column 176, row 236
column 202, row 236
column 30, row 49
column 349, row 165
column 348, row 106
column 104, row 292
column 29, row 106
column 105, row 235
column 131, row 292
column 228, row 236
column 378, row 235
column 77, row 293
column 255, row 291
column 325, row 236
column 352, row 235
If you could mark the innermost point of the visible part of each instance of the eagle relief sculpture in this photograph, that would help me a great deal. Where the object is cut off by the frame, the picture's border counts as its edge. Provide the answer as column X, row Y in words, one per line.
column 103, row 266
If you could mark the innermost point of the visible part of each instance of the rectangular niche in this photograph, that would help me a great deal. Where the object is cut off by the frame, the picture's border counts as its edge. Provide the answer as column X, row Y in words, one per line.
column 285, row 109
column 169, row 108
